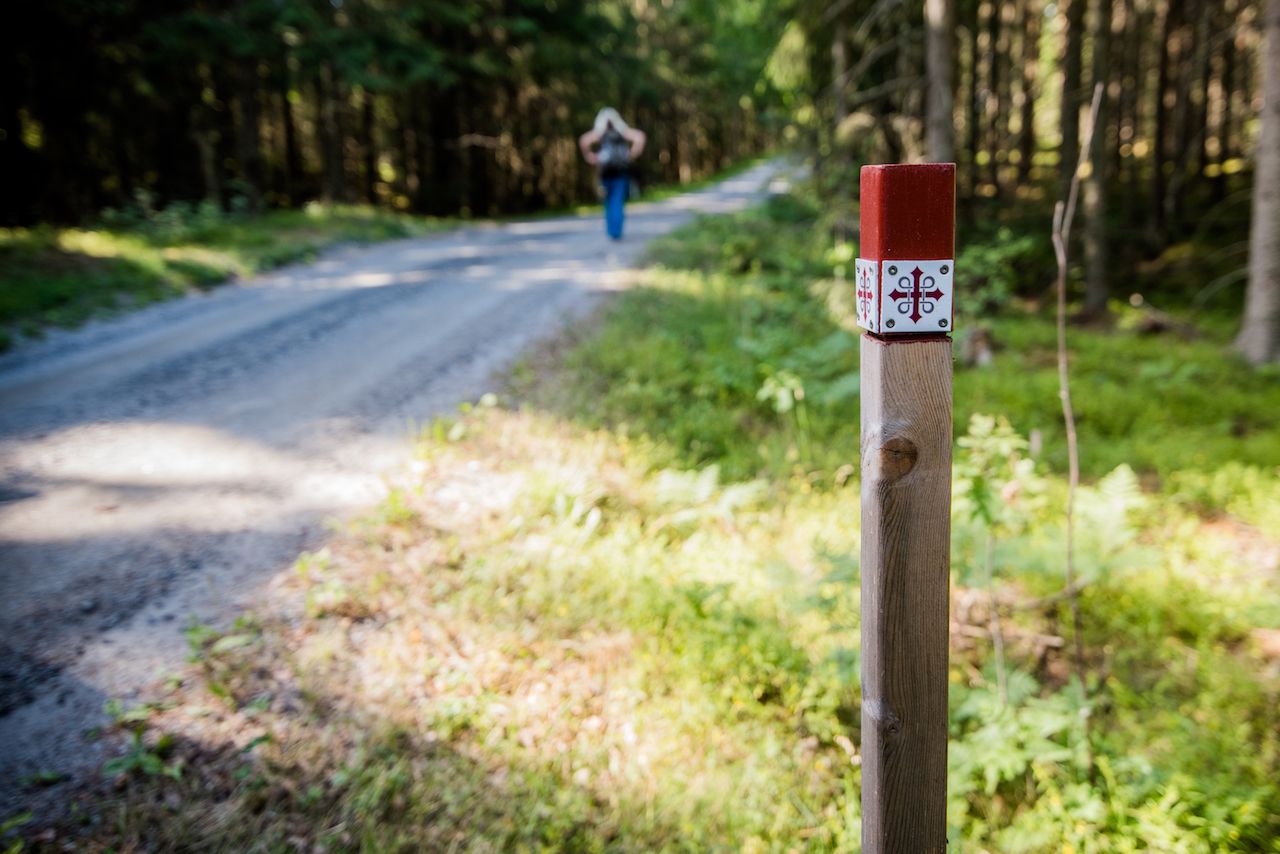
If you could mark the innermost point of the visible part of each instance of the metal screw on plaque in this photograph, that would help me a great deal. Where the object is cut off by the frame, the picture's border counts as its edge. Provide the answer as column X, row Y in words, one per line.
column 893, row 271
column 945, row 269
column 942, row 323
column 889, row 323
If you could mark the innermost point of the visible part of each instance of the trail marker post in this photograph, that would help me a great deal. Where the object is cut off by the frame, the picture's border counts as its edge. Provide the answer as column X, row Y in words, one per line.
column 904, row 300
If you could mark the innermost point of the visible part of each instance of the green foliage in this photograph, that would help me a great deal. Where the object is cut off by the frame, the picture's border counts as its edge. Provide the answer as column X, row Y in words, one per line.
column 143, row 758
column 178, row 221
column 992, row 269
column 14, row 846
column 146, row 754
column 1249, row 493
column 1156, row 404
column 994, row 483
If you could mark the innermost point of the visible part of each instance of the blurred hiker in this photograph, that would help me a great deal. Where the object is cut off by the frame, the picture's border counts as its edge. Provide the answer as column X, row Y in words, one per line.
column 610, row 146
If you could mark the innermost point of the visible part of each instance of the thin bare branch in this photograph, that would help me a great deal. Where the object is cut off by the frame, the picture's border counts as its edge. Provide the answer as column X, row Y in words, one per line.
column 1051, row 599
column 872, row 18
column 886, row 88
column 869, row 58
column 1063, row 214
column 993, row 621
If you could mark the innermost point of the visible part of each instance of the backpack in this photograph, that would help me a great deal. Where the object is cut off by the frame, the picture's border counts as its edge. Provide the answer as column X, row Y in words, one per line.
column 615, row 152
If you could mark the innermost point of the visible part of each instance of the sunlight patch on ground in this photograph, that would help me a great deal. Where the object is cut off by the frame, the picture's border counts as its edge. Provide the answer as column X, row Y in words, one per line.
column 146, row 475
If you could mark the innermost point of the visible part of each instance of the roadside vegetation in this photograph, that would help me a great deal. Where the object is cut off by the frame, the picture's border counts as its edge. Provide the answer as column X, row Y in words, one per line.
column 621, row 612
column 138, row 255
column 61, row 277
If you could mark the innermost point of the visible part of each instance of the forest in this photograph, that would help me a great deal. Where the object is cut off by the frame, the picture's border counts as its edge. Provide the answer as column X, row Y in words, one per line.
column 471, row 108
column 435, row 107
column 640, row 630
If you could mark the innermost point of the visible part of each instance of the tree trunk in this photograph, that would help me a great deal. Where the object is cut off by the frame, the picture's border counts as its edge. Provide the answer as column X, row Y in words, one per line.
column 839, row 67
column 843, row 226
column 1259, row 339
column 1072, row 36
column 1188, row 52
column 329, row 128
column 1144, row 21
column 971, row 108
column 1157, row 224
column 1204, row 63
column 21, row 174
column 292, row 154
column 418, row 144
column 248, row 133
column 444, row 184
column 994, row 108
column 1127, row 81
column 1095, row 186
column 369, row 151
column 207, row 146
column 940, row 27
column 1030, row 75
column 1219, row 189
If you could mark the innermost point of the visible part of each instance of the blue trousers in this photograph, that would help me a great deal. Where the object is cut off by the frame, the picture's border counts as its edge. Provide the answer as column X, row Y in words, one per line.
column 615, row 197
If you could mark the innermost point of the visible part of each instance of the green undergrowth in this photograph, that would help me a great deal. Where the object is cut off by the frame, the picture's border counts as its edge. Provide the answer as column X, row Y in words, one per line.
column 658, row 192
column 623, row 614
column 62, row 277
column 745, row 326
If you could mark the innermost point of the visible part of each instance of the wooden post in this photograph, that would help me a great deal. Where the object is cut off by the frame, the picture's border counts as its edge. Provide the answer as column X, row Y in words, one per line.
column 904, row 299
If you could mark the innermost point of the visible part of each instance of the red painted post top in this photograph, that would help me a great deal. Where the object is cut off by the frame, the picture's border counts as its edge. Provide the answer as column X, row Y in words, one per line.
column 906, row 260
column 908, row 211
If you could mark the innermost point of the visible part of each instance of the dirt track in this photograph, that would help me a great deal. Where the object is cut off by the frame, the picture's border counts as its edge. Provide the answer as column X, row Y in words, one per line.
column 162, row 467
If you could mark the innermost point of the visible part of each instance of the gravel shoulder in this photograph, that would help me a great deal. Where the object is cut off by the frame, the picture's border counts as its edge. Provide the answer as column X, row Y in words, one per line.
column 162, row 468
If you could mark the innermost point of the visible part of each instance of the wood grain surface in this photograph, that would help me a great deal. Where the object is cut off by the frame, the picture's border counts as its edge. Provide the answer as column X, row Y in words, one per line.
column 906, row 537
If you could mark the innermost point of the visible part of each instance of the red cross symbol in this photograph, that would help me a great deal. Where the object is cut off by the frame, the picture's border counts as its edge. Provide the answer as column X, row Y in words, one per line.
column 916, row 293
column 864, row 292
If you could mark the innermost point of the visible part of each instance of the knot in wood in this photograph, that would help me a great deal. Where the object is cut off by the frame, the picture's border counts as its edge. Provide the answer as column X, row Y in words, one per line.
column 886, row 722
column 897, row 457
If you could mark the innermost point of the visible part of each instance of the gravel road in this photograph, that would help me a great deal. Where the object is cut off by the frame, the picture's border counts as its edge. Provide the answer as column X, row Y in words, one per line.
column 164, row 466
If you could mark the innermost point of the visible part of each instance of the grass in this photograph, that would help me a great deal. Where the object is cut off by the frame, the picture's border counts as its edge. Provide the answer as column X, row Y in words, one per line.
column 62, row 277
column 623, row 615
